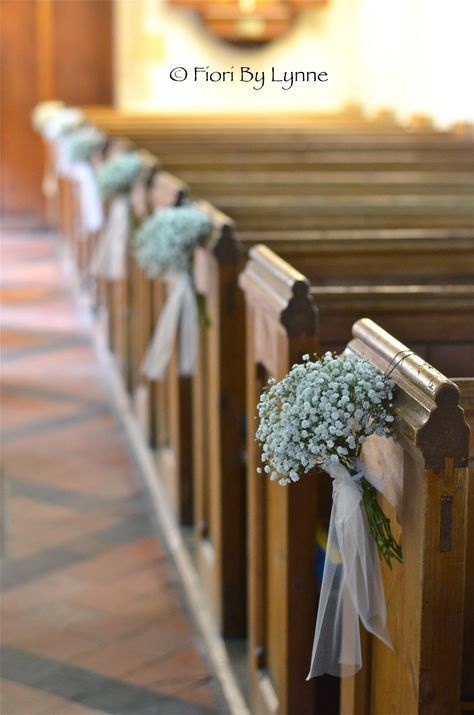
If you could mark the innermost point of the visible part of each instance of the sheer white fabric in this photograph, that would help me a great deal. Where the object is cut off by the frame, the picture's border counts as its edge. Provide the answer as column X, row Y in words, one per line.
column 61, row 152
column 109, row 258
column 352, row 587
column 89, row 197
column 179, row 314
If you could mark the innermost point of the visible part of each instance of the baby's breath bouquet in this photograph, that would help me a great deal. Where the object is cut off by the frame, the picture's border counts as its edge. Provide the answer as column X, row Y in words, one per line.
column 83, row 143
column 43, row 111
column 319, row 415
column 165, row 242
column 117, row 174
column 59, row 122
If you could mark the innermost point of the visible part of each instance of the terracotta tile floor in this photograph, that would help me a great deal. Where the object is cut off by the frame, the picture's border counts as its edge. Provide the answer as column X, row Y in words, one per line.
column 93, row 620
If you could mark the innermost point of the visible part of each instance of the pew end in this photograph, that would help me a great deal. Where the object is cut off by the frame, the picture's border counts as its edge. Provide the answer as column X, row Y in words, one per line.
column 425, row 593
column 218, row 438
column 281, row 325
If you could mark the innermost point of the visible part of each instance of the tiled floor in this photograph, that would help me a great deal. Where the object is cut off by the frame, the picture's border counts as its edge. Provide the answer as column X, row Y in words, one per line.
column 92, row 615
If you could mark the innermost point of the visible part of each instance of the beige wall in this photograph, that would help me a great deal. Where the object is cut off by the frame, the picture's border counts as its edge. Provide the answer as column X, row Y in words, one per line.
column 418, row 57
column 409, row 55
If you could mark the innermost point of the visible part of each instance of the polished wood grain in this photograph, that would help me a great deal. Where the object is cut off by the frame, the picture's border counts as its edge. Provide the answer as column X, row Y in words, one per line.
column 20, row 149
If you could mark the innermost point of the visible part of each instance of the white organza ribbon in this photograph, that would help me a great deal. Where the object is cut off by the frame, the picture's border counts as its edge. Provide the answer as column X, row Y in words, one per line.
column 61, row 153
column 90, row 201
column 352, row 587
column 109, row 258
column 179, row 313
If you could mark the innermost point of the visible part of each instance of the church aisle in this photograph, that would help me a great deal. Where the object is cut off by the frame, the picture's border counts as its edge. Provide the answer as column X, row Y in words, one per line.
column 93, row 619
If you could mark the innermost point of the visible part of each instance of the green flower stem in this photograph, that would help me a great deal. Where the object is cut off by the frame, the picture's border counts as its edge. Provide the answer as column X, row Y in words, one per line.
column 379, row 526
column 204, row 320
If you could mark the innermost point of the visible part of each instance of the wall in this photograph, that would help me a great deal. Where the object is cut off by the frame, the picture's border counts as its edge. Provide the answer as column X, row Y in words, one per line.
column 152, row 38
column 417, row 56
column 413, row 56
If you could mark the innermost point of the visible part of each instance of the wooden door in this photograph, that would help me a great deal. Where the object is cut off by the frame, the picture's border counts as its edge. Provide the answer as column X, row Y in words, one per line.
column 59, row 49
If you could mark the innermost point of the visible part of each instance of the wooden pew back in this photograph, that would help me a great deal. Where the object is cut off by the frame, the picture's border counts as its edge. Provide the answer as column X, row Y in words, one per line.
column 427, row 466
column 218, row 409
column 281, row 325
column 280, row 313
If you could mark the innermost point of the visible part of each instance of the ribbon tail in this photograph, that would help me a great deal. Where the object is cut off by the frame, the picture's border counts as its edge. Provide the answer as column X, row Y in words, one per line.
column 90, row 201
column 179, row 312
column 108, row 260
column 159, row 353
column 189, row 330
column 352, row 586
column 334, row 611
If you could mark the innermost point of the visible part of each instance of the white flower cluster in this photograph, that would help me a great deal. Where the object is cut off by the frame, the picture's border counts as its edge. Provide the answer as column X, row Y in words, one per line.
column 165, row 241
column 321, row 412
column 61, row 121
column 117, row 174
column 82, row 143
column 42, row 113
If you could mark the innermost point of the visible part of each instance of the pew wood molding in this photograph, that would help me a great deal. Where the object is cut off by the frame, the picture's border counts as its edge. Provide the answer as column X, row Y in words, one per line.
column 433, row 419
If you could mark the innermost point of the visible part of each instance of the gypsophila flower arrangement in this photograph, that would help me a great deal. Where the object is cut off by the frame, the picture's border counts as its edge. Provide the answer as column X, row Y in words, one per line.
column 62, row 121
column 43, row 111
column 320, row 414
column 117, row 174
column 165, row 242
column 83, row 143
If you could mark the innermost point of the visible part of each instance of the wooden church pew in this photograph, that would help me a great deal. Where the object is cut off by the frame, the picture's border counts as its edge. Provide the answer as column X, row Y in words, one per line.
column 272, row 131
column 195, row 159
column 176, row 431
column 309, row 213
column 166, row 191
column 427, row 636
column 330, row 146
column 219, row 382
column 350, row 119
column 214, row 183
column 282, row 325
column 205, row 527
column 346, row 256
column 172, row 401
